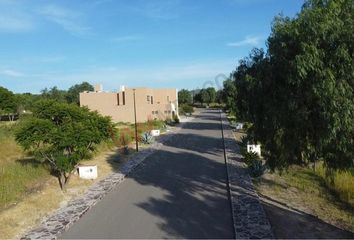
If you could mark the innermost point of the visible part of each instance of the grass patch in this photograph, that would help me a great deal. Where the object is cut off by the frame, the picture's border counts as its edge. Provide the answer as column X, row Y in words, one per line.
column 303, row 189
column 18, row 174
column 339, row 182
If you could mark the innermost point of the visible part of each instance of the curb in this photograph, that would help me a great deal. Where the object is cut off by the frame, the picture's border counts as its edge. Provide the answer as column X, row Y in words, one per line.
column 249, row 218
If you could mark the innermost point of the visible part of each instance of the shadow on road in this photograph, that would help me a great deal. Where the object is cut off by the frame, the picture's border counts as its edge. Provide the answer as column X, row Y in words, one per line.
column 196, row 205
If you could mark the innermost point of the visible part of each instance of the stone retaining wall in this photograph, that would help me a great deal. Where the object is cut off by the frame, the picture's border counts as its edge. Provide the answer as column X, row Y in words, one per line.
column 250, row 220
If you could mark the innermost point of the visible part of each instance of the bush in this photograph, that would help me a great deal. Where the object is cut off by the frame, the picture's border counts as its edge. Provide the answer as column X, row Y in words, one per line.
column 186, row 109
column 176, row 119
column 147, row 138
column 125, row 136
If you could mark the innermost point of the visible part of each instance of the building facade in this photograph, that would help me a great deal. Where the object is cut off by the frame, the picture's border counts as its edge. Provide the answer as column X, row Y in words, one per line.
column 150, row 103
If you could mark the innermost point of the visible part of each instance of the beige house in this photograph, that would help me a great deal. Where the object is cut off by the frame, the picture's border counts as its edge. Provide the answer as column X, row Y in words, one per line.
column 150, row 103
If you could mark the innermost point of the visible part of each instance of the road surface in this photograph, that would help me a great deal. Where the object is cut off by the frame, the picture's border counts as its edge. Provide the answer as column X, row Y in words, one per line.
column 180, row 192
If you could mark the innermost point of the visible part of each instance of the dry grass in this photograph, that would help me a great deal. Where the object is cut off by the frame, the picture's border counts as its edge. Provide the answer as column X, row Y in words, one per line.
column 342, row 184
column 303, row 189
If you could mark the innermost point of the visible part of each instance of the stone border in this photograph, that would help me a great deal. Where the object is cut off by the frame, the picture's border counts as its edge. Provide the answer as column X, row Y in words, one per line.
column 250, row 220
column 66, row 216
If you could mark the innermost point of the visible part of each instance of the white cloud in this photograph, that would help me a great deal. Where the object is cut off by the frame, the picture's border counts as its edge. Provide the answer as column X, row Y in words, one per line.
column 13, row 18
column 248, row 41
column 69, row 20
column 11, row 73
column 157, row 9
column 200, row 74
column 127, row 38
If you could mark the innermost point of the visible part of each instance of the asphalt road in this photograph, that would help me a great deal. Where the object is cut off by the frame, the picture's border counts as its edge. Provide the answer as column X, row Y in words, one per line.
column 180, row 192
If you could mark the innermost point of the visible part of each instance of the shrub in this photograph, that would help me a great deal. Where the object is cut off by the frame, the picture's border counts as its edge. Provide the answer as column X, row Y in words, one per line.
column 186, row 109
column 147, row 138
column 125, row 137
column 176, row 119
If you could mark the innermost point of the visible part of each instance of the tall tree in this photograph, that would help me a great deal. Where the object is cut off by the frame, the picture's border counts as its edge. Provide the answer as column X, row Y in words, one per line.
column 299, row 95
column 184, row 97
column 8, row 103
column 73, row 93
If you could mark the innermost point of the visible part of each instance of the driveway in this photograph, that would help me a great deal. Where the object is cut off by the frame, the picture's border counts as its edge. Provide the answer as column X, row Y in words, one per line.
column 178, row 192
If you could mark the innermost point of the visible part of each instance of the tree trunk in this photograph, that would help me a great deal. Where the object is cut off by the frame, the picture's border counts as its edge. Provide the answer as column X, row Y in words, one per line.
column 64, row 180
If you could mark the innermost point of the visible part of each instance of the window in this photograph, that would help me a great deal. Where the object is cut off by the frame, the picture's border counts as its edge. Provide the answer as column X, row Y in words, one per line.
column 153, row 112
column 156, row 112
column 123, row 95
column 148, row 98
column 152, row 100
column 118, row 99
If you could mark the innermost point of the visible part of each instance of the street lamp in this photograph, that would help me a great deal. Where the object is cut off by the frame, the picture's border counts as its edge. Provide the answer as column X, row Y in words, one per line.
column 136, row 127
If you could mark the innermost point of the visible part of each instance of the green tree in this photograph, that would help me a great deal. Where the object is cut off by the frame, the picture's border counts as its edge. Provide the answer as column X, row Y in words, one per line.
column 299, row 95
column 73, row 93
column 8, row 103
column 228, row 95
column 62, row 135
column 211, row 95
column 54, row 93
column 184, row 97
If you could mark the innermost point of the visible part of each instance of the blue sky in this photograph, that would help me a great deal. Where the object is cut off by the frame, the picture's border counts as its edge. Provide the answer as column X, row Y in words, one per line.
column 153, row 43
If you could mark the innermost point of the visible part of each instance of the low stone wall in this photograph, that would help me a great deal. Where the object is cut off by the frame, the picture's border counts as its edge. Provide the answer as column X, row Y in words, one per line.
column 250, row 220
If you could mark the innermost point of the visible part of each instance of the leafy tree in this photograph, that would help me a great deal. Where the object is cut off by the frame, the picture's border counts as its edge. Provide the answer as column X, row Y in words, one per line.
column 73, row 93
column 54, row 93
column 184, row 97
column 228, row 95
column 211, row 95
column 198, row 97
column 219, row 96
column 204, row 95
column 62, row 135
column 8, row 103
column 299, row 94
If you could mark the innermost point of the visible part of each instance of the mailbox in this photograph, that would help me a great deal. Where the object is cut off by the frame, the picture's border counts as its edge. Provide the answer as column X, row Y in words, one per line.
column 254, row 148
column 155, row 133
column 88, row 172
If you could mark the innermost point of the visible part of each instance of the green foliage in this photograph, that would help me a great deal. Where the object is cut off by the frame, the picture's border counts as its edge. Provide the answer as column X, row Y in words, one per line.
column 62, row 135
column 206, row 95
column 228, row 95
column 299, row 94
column 54, row 94
column 186, row 109
column 176, row 119
column 147, row 138
column 73, row 93
column 184, row 97
column 8, row 103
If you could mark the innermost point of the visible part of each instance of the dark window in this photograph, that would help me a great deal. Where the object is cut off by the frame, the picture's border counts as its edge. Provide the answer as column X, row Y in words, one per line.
column 123, row 95
column 152, row 100
column 118, row 99
column 148, row 98
column 153, row 112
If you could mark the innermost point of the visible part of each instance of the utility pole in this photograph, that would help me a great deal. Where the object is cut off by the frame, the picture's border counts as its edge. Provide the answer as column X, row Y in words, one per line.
column 136, row 127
